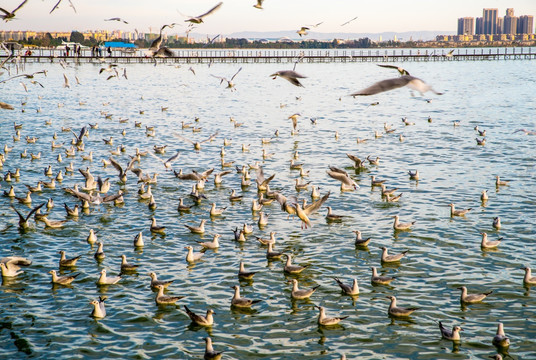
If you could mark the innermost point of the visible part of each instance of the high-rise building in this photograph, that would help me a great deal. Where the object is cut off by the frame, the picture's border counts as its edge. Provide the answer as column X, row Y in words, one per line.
column 500, row 25
column 479, row 28
column 525, row 24
column 490, row 21
column 509, row 22
column 466, row 26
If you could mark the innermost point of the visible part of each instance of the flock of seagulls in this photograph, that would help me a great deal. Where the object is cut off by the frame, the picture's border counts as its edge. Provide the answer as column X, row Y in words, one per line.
column 91, row 192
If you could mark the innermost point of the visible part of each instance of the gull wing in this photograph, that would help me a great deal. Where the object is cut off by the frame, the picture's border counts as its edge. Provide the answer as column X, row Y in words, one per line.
column 218, row 5
column 116, row 165
column 345, row 179
column 236, row 74
column 183, row 138
column 384, row 85
column 173, row 158
column 210, row 138
column 291, row 73
column 309, row 209
column 400, row 70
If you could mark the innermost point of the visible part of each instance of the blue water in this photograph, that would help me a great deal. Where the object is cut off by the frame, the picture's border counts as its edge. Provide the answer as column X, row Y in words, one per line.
column 41, row 321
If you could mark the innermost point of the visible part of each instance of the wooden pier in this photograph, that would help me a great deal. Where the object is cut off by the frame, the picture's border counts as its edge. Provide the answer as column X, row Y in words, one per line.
column 285, row 56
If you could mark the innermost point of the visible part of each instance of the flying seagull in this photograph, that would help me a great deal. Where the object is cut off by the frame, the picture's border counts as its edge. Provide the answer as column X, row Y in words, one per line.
column 116, row 19
column 390, row 84
column 349, row 21
column 199, row 19
column 402, row 71
column 9, row 15
column 289, row 75
column 230, row 84
column 58, row 4
column 303, row 31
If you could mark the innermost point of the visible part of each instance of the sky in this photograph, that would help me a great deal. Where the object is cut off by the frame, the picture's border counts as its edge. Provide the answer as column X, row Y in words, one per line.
column 240, row 15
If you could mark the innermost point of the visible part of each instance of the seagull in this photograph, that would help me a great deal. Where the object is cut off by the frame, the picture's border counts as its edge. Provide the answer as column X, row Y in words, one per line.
column 399, row 311
column 197, row 144
column 210, row 353
column 199, row 319
column 197, row 229
column 390, row 84
column 243, row 274
column 299, row 294
column 402, row 71
column 6, row 106
column 289, row 75
column 155, row 228
column 62, row 280
column 292, row 269
column 107, row 280
column 64, row 262
column 472, row 298
column 453, row 335
column 11, row 265
column 349, row 21
column 485, row 244
column 526, row 132
column 199, row 19
column 116, row 19
column 359, row 241
column 241, row 302
column 23, row 221
column 214, row 244
column 155, row 47
column 99, row 311
column 9, row 15
column 66, row 82
column 500, row 340
column 167, row 163
column 499, row 182
column 323, row 320
column 162, row 299
column 303, row 31
column 397, row 225
column 230, row 84
column 413, row 175
column 347, row 289
column 497, row 223
column 155, row 282
column 528, row 279
column 391, row 258
column 191, row 256
column 347, row 184
column 58, row 3
column 379, row 280
column 126, row 267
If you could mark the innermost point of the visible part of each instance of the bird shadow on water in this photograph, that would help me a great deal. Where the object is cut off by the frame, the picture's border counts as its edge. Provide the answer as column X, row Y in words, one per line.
column 401, row 320
column 195, row 328
column 10, row 285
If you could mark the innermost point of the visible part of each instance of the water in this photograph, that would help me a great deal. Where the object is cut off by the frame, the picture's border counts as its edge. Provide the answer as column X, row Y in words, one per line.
column 39, row 320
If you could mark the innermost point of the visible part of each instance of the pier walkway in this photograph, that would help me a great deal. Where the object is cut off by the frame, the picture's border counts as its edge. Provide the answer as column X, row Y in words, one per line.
column 194, row 56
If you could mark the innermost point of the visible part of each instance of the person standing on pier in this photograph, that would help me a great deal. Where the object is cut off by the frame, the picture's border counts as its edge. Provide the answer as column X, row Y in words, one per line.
column 67, row 48
column 109, row 51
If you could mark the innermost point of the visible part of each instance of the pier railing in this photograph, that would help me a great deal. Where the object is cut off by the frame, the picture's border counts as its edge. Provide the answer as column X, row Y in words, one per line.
column 192, row 56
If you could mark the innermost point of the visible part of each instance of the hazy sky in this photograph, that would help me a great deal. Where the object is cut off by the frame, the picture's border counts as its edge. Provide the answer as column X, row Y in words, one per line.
column 240, row 15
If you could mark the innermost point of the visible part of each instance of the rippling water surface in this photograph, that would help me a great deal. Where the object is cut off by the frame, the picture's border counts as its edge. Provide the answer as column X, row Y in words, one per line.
column 39, row 320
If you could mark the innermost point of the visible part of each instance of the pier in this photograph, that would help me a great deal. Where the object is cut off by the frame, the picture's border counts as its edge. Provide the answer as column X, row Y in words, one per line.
column 200, row 56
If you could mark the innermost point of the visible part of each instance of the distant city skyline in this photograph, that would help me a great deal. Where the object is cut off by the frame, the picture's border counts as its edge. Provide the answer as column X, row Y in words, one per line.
column 493, row 23
column 240, row 15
